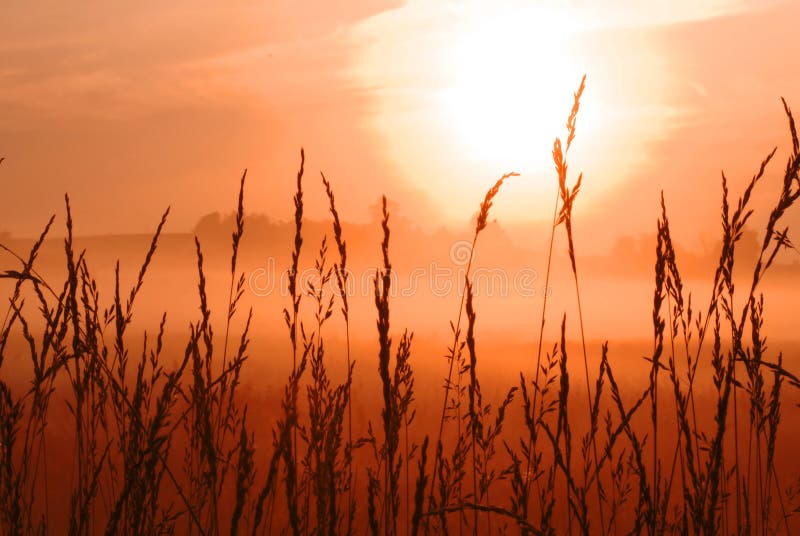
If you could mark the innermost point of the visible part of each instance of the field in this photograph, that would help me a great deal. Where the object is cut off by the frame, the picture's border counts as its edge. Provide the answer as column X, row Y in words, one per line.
column 325, row 416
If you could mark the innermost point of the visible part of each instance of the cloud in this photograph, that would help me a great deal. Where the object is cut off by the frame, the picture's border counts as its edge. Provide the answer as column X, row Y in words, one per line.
column 118, row 58
column 633, row 13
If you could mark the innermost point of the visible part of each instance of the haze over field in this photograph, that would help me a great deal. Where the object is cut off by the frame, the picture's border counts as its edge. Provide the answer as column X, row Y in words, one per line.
column 428, row 273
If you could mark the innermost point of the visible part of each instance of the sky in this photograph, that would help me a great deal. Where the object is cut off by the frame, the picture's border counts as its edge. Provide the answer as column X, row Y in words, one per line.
column 130, row 107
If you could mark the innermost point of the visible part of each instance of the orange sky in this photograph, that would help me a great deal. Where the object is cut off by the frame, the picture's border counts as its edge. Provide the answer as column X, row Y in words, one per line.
column 130, row 107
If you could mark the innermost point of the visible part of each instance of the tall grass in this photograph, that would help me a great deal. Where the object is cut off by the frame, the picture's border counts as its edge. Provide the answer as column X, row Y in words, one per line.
column 454, row 357
column 164, row 443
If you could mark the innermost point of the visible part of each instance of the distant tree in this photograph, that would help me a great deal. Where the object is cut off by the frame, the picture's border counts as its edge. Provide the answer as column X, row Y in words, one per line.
column 209, row 224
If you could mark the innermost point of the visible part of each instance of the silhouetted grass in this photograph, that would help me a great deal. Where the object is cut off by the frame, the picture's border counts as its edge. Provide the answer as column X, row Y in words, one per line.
column 165, row 443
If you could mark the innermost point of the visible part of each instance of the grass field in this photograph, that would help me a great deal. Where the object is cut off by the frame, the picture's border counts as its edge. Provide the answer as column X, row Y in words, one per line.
column 113, row 425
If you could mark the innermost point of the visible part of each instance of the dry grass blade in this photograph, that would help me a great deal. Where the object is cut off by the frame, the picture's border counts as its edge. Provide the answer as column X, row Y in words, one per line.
column 454, row 350
column 483, row 213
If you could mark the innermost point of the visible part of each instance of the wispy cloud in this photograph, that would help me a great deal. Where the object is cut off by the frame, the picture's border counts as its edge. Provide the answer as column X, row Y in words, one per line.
column 115, row 58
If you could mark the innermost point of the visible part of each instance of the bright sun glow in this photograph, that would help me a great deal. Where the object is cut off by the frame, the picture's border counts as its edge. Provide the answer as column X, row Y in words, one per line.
column 464, row 91
column 510, row 81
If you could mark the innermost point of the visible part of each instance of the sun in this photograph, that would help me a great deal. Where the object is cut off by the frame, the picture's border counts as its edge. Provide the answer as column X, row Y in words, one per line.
column 509, row 82
column 462, row 92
